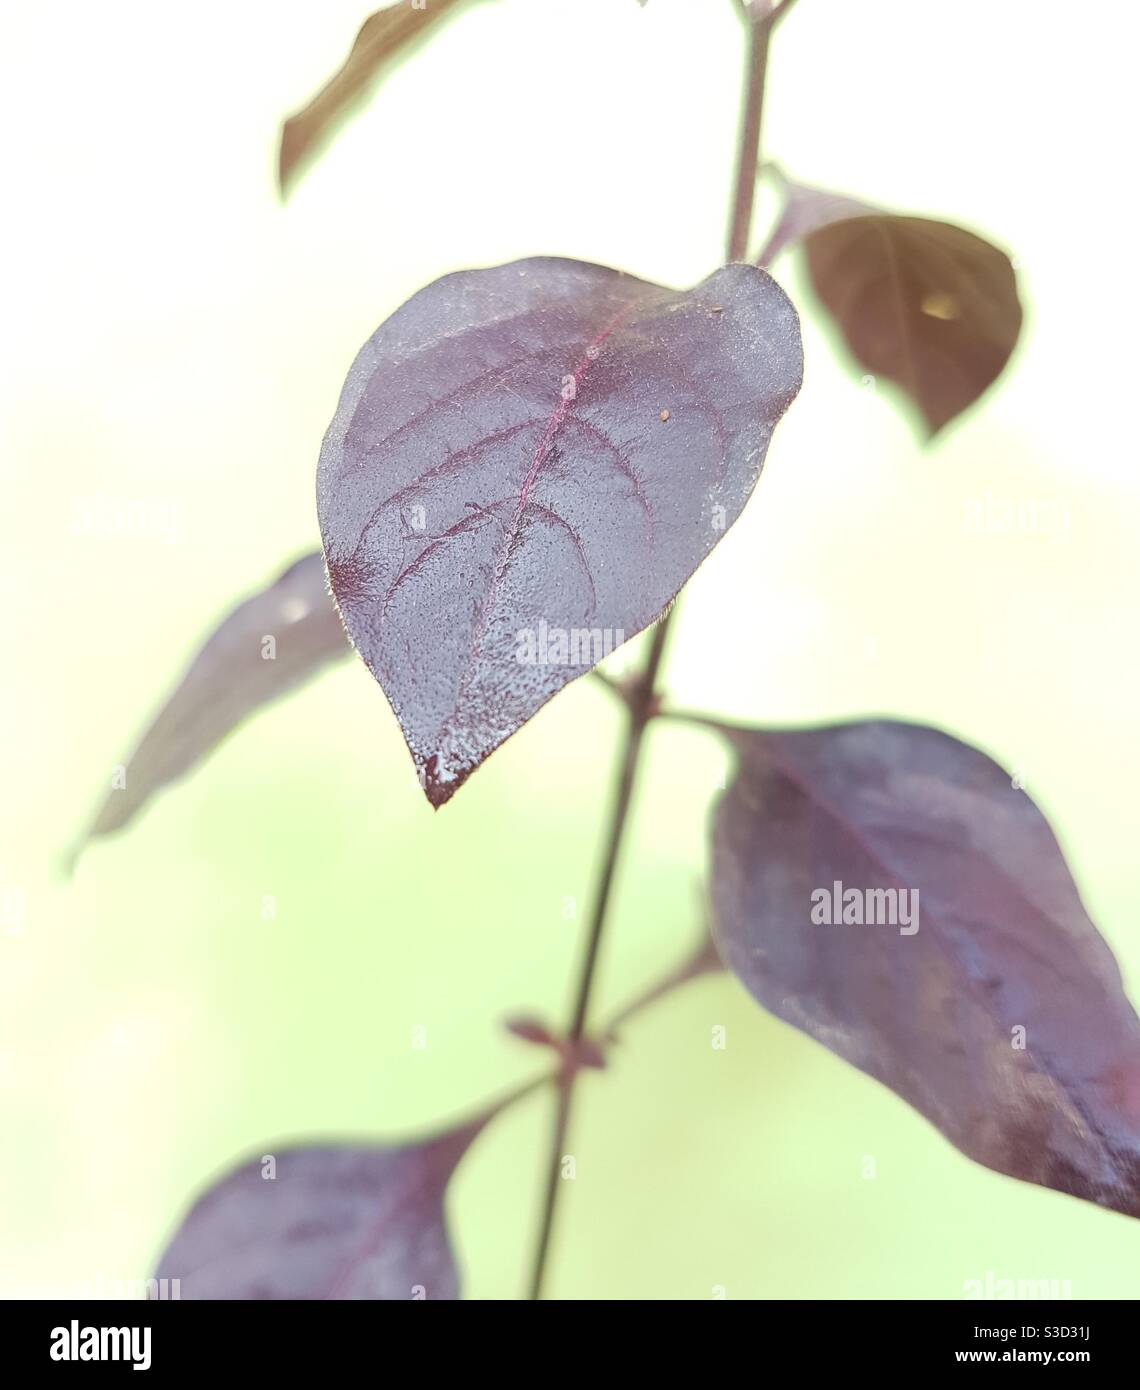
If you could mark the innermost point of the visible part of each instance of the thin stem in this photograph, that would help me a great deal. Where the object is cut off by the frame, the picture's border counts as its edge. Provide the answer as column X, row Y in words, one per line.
column 748, row 156
column 642, row 696
column 760, row 28
column 553, row 1178
column 642, row 704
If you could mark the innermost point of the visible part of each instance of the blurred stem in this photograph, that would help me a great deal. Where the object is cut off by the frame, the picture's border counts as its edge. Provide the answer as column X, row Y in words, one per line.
column 641, row 703
column 642, row 695
column 748, row 156
column 760, row 28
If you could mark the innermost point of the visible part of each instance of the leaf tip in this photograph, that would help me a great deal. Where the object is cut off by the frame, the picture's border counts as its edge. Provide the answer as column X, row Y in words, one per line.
column 65, row 866
column 288, row 155
column 439, row 783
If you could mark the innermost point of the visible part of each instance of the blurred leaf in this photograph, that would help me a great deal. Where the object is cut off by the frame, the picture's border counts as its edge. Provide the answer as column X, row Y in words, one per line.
column 925, row 304
column 991, row 1005
column 526, row 465
column 268, row 645
column 928, row 305
column 383, row 37
column 352, row 1221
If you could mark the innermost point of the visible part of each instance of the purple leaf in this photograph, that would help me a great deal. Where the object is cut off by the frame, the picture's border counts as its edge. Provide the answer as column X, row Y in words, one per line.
column 964, row 972
column 926, row 304
column 384, row 37
column 923, row 303
column 268, row 645
column 325, row 1222
column 527, row 464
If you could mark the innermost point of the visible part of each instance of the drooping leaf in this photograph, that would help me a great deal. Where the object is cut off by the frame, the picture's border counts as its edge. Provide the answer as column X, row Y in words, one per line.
column 963, row 972
column 925, row 304
column 383, row 37
column 526, row 465
column 268, row 645
column 348, row 1221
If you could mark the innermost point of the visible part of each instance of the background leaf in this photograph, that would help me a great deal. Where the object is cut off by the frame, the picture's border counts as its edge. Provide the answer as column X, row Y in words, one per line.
column 1003, row 944
column 925, row 304
column 383, row 37
column 538, row 448
column 351, row 1221
column 229, row 678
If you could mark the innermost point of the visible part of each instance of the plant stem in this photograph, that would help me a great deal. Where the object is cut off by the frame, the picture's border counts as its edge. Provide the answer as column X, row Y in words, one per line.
column 642, row 700
column 748, row 156
column 641, row 704
column 642, row 695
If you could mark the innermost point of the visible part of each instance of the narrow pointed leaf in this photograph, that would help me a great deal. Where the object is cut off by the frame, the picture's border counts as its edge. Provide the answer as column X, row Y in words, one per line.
column 384, row 37
column 352, row 1221
column 267, row 646
column 526, row 465
column 980, row 992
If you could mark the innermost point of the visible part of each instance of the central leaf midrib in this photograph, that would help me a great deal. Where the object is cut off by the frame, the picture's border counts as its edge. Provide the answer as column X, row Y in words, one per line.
column 511, row 531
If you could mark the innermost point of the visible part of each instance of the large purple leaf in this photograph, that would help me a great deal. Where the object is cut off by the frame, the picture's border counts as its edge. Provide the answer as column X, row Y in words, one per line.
column 526, row 465
column 268, row 645
column 963, row 971
column 351, row 1221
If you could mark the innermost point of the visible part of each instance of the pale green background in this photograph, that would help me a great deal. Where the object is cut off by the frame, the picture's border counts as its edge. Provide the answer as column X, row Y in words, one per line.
column 175, row 339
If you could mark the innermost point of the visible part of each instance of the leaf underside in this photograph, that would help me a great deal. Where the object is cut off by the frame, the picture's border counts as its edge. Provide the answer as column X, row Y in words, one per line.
column 234, row 673
column 1002, row 1018
column 541, row 448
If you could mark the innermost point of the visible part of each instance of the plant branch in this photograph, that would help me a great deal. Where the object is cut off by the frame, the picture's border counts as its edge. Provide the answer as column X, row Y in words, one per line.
column 760, row 28
column 642, row 695
column 754, row 12
column 748, row 155
column 703, row 961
